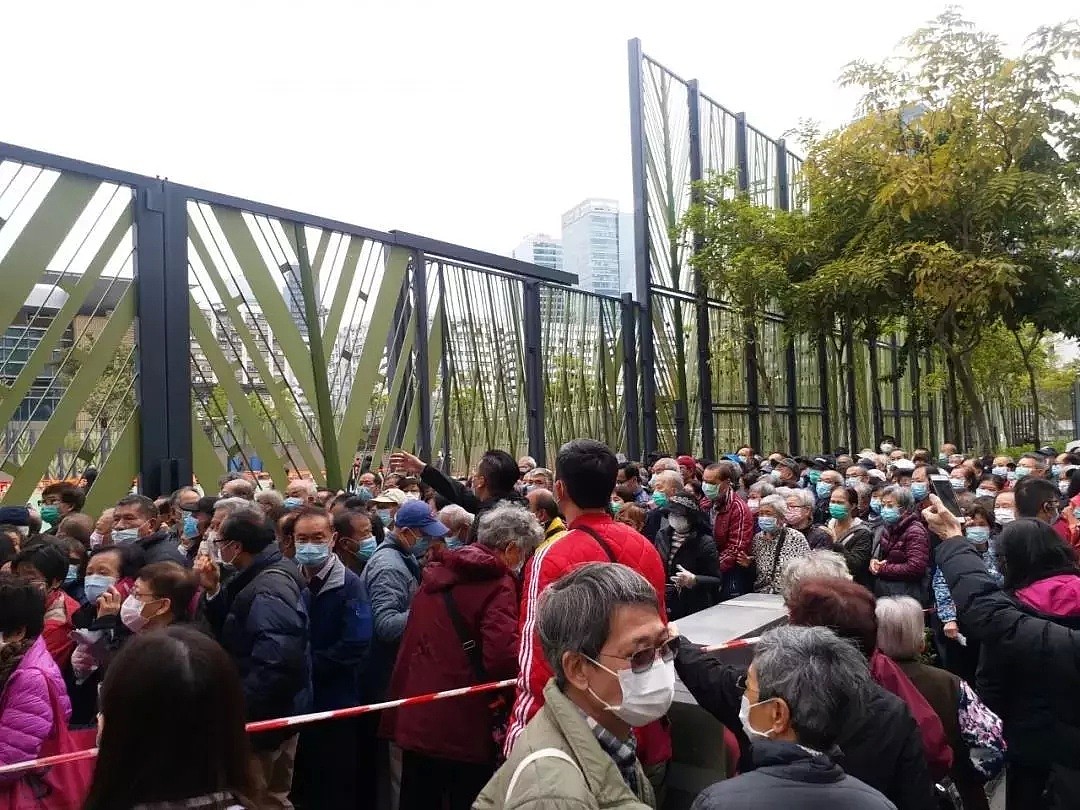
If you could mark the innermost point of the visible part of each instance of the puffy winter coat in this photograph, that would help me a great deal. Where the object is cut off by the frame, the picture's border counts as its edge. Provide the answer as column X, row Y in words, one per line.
column 260, row 619
column 697, row 555
column 905, row 551
column 391, row 578
column 576, row 548
column 1029, row 673
column 787, row 776
column 432, row 657
column 26, row 715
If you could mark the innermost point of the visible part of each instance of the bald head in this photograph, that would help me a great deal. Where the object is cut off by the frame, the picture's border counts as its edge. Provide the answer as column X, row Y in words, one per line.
column 542, row 504
column 238, row 488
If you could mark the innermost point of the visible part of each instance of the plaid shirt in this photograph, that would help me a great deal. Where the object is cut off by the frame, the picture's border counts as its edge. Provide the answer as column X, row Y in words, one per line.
column 623, row 752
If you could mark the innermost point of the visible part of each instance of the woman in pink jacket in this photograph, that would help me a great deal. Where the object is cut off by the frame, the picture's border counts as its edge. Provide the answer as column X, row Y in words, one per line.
column 27, row 674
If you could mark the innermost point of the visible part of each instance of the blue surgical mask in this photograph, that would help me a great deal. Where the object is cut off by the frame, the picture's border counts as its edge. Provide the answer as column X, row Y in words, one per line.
column 890, row 514
column 823, row 489
column 364, row 493
column 813, row 475
column 1021, row 472
column 191, row 526
column 1055, row 470
column 72, row 574
column 984, row 493
column 978, row 534
column 1000, row 472
column 875, row 506
column 385, row 517
column 312, row 554
column 919, row 490
column 453, row 543
column 767, row 524
column 366, row 548
column 850, row 482
column 124, row 537
column 1076, row 512
column 958, row 484
column 421, row 547
column 95, row 585
column 292, row 503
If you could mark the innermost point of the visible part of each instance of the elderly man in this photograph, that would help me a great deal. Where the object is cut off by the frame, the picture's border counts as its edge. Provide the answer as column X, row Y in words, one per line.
column 299, row 492
column 526, row 464
column 238, row 488
column 543, row 506
column 271, row 501
column 602, row 636
column 802, row 684
column 458, row 522
column 541, row 478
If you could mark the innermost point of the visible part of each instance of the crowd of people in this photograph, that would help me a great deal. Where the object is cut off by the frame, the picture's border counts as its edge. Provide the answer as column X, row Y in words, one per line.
column 933, row 606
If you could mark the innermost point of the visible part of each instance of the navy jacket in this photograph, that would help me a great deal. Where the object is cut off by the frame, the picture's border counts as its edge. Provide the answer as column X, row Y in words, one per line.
column 391, row 578
column 341, row 630
column 260, row 619
column 787, row 776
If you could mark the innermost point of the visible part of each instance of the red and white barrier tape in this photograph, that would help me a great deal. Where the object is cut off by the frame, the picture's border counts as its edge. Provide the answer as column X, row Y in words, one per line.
column 282, row 722
column 732, row 645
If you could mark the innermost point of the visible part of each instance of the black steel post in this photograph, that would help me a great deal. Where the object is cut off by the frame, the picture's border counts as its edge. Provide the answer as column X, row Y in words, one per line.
column 916, row 397
column 783, row 202
column 444, row 369
column 742, row 174
column 897, row 421
column 643, row 272
column 935, row 401
column 163, row 337
column 876, row 410
column 701, row 292
column 420, row 353
column 534, row 371
column 826, row 406
column 852, row 394
column 628, row 312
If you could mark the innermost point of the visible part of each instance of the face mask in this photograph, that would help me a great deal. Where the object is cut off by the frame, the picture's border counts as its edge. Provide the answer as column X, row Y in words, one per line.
column 131, row 614
column 711, row 491
column 1076, row 512
column 646, row 696
column 96, row 539
column 886, row 448
column 978, row 534
column 813, row 476
column 660, row 499
column 984, row 493
column 453, row 543
column 366, row 548
column 744, row 717
column 1004, row 516
column 95, row 585
column 1055, row 470
column 767, row 524
column 191, row 526
column 124, row 537
column 890, row 514
column 615, row 506
column 793, row 516
column 1021, row 472
column 823, row 489
column 839, row 511
column 364, row 493
column 681, row 525
column 312, row 554
column 875, row 506
column 1063, row 486
column 919, row 490
column 958, row 484
column 754, row 504
column 1001, row 472
column 421, row 546
column 72, row 574
column 50, row 514
column 412, row 496
column 850, row 482
column 292, row 503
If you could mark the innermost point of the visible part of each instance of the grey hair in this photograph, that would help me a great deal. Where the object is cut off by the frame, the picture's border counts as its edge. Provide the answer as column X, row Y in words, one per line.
column 234, row 505
column 774, row 502
column 669, row 477
column 509, row 524
column 455, row 517
column 240, row 488
column 575, row 612
column 900, row 633
column 820, row 564
column 803, row 496
column 269, row 497
column 904, row 499
column 863, row 490
column 666, row 464
column 309, row 486
column 821, row 677
column 543, row 471
column 763, row 489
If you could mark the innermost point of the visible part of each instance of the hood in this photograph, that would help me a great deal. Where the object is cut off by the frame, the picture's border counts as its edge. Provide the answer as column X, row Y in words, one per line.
column 1055, row 596
column 471, row 563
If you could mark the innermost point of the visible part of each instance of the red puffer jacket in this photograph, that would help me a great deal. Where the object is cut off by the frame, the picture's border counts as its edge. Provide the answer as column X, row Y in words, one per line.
column 431, row 657
column 572, row 550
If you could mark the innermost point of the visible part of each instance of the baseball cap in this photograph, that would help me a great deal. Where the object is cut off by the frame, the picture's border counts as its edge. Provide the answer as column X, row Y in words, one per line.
column 867, row 464
column 904, row 465
column 822, row 463
column 15, row 515
column 683, row 505
column 417, row 515
column 1072, row 446
column 686, row 461
column 390, row 497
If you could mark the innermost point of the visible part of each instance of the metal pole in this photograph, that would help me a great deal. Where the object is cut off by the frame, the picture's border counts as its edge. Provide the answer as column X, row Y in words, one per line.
column 852, row 394
column 742, row 164
column 701, row 292
column 935, row 401
column 826, row 406
column 916, row 397
column 783, row 202
column 643, row 271
column 896, row 391
column 423, row 374
column 628, row 312
column 877, row 411
column 534, row 371
column 444, row 369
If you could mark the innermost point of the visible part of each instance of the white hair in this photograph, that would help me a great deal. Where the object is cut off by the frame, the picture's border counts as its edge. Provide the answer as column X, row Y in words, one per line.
column 455, row 517
column 671, row 477
column 900, row 632
column 667, row 464
column 820, row 564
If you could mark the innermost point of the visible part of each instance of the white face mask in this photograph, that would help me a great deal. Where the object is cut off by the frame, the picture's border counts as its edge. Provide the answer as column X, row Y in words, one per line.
column 96, row 539
column 886, row 447
column 1004, row 516
column 646, row 696
column 744, row 718
column 131, row 614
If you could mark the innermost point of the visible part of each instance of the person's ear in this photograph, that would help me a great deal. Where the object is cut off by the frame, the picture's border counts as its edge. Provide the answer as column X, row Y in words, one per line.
column 559, row 491
column 512, row 556
column 780, row 715
column 168, row 606
column 576, row 669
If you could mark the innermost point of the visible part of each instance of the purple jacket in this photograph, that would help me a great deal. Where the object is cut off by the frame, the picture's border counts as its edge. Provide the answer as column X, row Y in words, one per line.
column 905, row 549
column 26, row 715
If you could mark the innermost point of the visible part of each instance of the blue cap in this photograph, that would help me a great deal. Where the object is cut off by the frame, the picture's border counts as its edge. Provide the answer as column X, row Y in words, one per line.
column 417, row 515
column 15, row 515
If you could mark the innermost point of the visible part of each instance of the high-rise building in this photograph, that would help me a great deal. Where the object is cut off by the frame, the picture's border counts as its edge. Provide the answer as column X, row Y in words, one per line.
column 540, row 249
column 627, row 271
column 590, row 238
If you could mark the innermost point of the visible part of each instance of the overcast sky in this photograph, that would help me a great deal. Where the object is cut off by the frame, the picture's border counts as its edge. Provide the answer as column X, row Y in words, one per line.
column 472, row 121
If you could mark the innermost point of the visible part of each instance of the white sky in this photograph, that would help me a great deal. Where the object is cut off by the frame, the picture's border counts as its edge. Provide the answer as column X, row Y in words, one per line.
column 472, row 121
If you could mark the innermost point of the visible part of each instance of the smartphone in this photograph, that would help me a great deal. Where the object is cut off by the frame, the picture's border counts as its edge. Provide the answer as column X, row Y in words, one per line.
column 943, row 489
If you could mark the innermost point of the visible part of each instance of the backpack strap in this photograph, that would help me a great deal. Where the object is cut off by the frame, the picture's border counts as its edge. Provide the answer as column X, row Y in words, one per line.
column 469, row 645
column 543, row 753
column 595, row 535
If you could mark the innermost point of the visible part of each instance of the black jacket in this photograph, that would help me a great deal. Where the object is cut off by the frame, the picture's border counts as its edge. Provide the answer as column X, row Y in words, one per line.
column 1036, row 657
column 260, row 619
column 882, row 746
column 455, row 492
column 162, row 546
column 856, row 547
column 699, row 556
column 787, row 776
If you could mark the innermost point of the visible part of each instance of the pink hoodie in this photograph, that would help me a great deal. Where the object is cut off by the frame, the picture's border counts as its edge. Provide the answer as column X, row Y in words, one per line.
column 1054, row 596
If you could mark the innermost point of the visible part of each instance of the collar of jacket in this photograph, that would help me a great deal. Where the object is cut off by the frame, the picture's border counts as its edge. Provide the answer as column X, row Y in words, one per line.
column 267, row 557
column 335, row 575
column 797, row 762
column 554, row 527
column 602, row 775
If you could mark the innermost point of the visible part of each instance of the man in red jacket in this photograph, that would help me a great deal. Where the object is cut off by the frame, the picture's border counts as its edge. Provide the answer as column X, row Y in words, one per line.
column 585, row 477
column 733, row 527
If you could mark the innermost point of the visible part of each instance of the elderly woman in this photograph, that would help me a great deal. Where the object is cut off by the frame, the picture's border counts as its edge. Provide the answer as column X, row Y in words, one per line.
column 762, row 489
column 612, row 658
column 690, row 558
column 666, row 485
column 799, row 515
column 459, row 521
column 851, row 537
column 968, row 723
column 462, row 630
column 902, row 562
column 815, row 565
column 774, row 545
column 802, row 684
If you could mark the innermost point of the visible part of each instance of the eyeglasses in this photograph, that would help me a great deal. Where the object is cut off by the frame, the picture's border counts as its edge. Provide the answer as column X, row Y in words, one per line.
column 642, row 660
